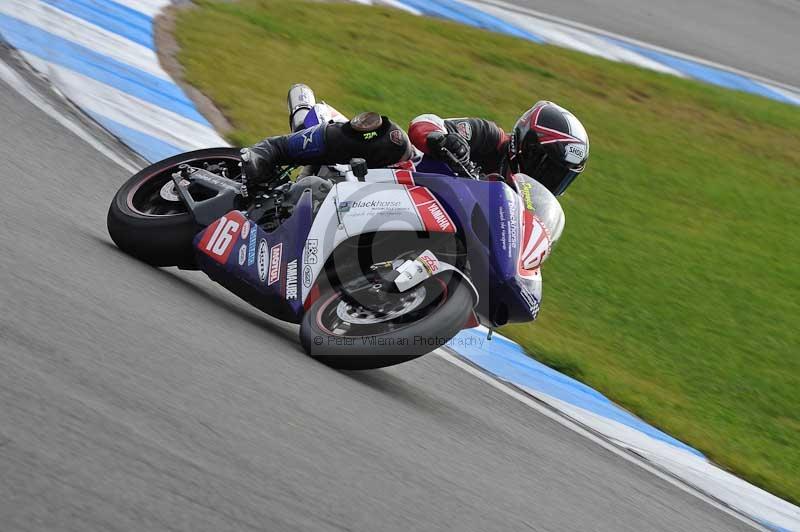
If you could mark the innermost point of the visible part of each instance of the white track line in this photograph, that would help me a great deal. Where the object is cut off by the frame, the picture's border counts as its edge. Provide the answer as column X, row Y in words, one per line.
column 145, row 117
column 636, row 42
column 600, row 440
column 18, row 83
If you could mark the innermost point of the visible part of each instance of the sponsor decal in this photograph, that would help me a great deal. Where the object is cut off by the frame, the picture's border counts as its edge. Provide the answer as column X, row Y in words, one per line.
column 291, row 280
column 372, row 204
column 430, row 263
column 275, row 254
column 369, row 135
column 303, row 97
column 308, row 142
column 430, row 211
column 439, row 216
column 513, row 225
column 396, row 136
column 501, row 214
column 308, row 276
column 308, row 138
column 218, row 240
column 574, row 153
column 245, row 230
column 312, row 248
column 536, row 244
column 464, row 129
column 263, row 249
column 525, row 191
column 242, row 254
column 251, row 247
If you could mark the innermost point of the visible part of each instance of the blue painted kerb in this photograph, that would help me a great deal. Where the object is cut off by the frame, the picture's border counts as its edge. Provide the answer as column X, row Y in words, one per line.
column 507, row 361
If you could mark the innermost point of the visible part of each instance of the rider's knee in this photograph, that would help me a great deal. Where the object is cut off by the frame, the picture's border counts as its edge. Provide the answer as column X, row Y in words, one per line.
column 377, row 139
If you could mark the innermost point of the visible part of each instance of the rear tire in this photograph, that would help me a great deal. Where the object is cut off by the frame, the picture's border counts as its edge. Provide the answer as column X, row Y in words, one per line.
column 380, row 350
column 159, row 239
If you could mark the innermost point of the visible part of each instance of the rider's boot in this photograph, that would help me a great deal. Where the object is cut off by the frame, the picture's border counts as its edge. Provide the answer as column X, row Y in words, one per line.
column 300, row 101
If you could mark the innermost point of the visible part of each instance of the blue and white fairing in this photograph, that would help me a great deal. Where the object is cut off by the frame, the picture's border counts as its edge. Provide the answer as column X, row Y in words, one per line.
column 260, row 267
column 507, row 233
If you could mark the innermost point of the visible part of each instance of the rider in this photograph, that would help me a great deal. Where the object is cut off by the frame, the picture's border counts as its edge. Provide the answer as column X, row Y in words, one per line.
column 547, row 142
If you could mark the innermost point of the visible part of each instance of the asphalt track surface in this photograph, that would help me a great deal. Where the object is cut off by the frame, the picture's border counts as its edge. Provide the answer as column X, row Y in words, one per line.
column 761, row 37
column 133, row 398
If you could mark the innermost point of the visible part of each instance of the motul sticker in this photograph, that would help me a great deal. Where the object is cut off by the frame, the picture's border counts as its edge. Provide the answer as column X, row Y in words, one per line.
column 275, row 263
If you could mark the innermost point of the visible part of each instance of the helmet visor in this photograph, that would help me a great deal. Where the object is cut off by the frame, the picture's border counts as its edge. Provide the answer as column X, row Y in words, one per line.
column 554, row 175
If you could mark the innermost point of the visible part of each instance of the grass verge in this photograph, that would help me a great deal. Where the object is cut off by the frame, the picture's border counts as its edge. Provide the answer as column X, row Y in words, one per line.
column 675, row 287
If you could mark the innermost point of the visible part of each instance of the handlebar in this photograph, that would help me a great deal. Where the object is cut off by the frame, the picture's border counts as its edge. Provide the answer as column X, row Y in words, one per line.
column 470, row 170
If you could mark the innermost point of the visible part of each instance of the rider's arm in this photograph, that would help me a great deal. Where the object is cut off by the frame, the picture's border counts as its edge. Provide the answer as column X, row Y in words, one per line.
column 334, row 144
column 485, row 138
column 421, row 127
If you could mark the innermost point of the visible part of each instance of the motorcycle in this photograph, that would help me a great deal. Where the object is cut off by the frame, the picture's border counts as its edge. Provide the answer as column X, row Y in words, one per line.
column 378, row 266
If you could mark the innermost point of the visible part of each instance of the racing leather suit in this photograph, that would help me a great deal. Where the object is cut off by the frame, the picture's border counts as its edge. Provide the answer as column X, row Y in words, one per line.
column 376, row 139
column 487, row 142
column 387, row 145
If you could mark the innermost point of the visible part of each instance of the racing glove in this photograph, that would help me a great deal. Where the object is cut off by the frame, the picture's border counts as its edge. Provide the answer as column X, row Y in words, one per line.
column 438, row 142
column 258, row 165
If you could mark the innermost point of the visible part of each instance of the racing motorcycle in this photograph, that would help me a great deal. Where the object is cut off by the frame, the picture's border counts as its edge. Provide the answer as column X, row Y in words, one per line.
column 378, row 266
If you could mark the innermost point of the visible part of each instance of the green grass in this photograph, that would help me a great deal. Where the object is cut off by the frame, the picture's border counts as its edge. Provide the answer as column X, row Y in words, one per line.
column 675, row 289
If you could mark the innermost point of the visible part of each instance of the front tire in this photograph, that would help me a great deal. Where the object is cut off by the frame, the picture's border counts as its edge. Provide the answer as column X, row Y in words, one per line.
column 354, row 346
column 157, row 231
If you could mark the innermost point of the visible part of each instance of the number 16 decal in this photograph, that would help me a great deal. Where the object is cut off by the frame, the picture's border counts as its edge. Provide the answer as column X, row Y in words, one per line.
column 218, row 240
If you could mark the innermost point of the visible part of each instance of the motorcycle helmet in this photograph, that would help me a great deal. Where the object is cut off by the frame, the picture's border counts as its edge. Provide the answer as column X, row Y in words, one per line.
column 549, row 144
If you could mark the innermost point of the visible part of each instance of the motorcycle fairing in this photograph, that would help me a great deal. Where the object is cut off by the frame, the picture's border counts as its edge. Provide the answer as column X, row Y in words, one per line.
column 355, row 208
column 277, row 271
column 492, row 220
column 260, row 267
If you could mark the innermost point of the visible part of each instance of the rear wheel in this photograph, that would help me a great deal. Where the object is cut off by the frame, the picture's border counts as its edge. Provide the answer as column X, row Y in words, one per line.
column 362, row 326
column 148, row 220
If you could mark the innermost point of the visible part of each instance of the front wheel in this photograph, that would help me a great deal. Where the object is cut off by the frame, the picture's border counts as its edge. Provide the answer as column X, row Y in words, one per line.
column 148, row 220
column 360, row 327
